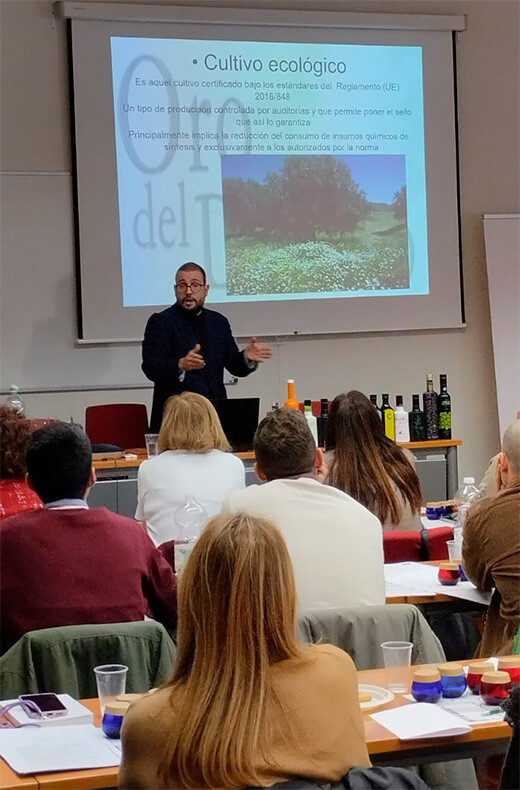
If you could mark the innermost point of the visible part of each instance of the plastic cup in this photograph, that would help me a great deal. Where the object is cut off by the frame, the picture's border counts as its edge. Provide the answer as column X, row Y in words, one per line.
column 454, row 550
column 397, row 657
column 111, row 683
column 152, row 446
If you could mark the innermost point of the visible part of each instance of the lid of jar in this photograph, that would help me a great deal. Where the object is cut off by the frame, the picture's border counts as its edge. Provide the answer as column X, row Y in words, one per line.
column 479, row 667
column 450, row 566
column 117, row 708
column 496, row 677
column 426, row 675
column 128, row 697
column 506, row 662
column 450, row 669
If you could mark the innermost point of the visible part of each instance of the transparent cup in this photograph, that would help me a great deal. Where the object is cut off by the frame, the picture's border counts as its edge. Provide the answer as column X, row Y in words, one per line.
column 111, row 683
column 454, row 550
column 397, row 657
column 152, row 446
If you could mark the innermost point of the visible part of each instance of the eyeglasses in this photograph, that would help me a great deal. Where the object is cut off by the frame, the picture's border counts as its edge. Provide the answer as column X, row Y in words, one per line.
column 195, row 287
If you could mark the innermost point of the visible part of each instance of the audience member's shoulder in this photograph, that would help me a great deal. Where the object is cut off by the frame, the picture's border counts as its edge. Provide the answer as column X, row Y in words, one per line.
column 333, row 656
column 149, row 705
column 20, row 520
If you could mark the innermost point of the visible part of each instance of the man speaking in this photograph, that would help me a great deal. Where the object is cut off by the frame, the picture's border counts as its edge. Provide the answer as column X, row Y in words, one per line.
column 187, row 346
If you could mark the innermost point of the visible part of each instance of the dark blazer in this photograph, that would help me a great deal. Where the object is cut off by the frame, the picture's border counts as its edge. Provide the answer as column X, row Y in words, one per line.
column 168, row 337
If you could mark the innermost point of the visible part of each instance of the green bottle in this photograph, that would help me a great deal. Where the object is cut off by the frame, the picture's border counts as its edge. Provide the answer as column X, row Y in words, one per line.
column 416, row 421
column 444, row 409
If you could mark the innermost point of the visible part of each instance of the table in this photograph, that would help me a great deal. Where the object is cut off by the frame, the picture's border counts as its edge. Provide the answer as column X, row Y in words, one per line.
column 383, row 746
column 117, row 479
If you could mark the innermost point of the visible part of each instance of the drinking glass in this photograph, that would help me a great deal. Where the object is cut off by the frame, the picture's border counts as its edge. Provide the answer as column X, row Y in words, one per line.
column 111, row 682
column 152, row 446
column 397, row 657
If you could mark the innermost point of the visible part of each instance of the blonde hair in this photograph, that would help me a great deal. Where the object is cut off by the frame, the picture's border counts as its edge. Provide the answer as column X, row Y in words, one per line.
column 237, row 616
column 190, row 422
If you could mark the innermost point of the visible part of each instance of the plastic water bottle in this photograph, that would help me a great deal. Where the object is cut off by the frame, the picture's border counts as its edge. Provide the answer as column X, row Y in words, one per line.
column 190, row 518
column 14, row 399
column 464, row 498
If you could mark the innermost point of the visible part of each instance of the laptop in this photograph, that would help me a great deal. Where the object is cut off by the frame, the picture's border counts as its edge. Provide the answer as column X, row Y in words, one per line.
column 239, row 418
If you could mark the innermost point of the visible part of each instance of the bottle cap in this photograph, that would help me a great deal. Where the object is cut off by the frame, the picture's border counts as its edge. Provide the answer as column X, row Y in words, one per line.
column 508, row 662
column 450, row 566
column 451, row 669
column 129, row 697
column 495, row 677
column 426, row 675
column 290, row 381
column 480, row 667
column 469, row 481
column 117, row 708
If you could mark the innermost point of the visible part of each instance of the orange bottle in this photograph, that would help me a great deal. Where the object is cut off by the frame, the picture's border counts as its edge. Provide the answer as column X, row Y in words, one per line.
column 291, row 402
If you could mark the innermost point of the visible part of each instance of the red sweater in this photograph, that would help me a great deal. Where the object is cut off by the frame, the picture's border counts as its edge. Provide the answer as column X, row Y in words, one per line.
column 71, row 567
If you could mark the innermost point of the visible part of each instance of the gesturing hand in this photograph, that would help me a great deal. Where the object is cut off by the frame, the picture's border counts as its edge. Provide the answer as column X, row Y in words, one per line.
column 257, row 352
column 193, row 360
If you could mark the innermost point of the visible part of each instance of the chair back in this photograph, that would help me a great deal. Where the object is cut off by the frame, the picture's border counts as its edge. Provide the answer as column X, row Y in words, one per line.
column 123, row 424
column 435, row 547
column 402, row 545
column 62, row 659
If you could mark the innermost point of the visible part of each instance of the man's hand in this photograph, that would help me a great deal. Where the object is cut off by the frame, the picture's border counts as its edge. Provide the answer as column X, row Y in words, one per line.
column 257, row 352
column 193, row 360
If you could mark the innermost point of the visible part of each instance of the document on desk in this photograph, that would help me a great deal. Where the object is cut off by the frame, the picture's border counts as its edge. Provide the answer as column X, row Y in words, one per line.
column 31, row 750
column 419, row 579
column 422, row 720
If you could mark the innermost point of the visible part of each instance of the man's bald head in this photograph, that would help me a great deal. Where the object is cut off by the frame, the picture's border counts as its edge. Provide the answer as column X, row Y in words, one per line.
column 511, row 446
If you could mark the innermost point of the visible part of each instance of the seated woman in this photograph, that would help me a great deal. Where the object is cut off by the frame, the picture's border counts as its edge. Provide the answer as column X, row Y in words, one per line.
column 15, row 494
column 193, row 461
column 369, row 466
column 248, row 704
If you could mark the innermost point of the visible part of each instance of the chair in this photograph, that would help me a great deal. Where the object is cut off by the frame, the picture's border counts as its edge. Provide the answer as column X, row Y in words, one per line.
column 122, row 424
column 434, row 541
column 402, row 545
column 62, row 659
column 359, row 631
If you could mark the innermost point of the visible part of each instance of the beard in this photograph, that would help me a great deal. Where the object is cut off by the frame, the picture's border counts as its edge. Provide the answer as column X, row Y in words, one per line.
column 191, row 304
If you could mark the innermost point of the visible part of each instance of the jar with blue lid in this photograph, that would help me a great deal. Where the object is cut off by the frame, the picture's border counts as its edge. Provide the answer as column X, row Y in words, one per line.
column 426, row 685
column 453, row 680
column 113, row 719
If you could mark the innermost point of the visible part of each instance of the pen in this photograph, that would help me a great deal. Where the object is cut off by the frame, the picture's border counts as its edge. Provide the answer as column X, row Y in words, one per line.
column 491, row 711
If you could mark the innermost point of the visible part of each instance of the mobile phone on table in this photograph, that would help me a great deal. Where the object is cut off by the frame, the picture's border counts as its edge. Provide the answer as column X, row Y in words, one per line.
column 48, row 704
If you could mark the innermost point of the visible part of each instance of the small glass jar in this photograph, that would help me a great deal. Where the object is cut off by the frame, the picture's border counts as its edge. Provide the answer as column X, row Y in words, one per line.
column 510, row 664
column 453, row 680
column 130, row 697
column 475, row 671
column 495, row 687
column 426, row 685
column 113, row 719
column 449, row 574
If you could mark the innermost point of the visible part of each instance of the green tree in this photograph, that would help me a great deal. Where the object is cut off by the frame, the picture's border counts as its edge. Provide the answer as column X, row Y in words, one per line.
column 399, row 203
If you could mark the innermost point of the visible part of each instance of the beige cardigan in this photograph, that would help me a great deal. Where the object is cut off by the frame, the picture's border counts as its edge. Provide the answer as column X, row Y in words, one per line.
column 315, row 725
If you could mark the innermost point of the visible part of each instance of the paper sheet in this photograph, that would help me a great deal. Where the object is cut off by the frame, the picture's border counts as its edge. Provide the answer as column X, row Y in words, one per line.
column 30, row 750
column 422, row 720
column 419, row 579
column 469, row 707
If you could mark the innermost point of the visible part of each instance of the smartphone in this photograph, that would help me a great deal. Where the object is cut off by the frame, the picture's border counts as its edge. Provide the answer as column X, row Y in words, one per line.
column 48, row 704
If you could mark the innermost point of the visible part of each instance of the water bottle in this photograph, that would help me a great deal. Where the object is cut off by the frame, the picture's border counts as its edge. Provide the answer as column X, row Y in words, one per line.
column 14, row 399
column 464, row 498
column 189, row 518
column 311, row 420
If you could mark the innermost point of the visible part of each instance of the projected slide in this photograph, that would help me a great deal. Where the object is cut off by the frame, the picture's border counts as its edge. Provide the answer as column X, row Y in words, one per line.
column 290, row 171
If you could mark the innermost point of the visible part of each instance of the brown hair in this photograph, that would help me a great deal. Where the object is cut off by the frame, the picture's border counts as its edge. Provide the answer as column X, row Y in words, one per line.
column 237, row 615
column 330, row 425
column 191, row 266
column 283, row 444
column 366, row 462
column 190, row 422
column 14, row 438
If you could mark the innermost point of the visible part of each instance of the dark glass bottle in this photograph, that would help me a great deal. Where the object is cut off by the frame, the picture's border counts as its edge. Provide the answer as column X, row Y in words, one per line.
column 373, row 399
column 387, row 416
column 444, row 408
column 430, row 410
column 322, row 421
column 416, row 421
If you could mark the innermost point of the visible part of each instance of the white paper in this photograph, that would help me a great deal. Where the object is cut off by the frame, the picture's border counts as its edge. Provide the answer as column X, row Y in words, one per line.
column 421, row 720
column 30, row 750
column 419, row 579
column 469, row 707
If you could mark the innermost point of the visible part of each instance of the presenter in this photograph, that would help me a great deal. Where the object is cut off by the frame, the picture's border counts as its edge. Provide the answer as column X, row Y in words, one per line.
column 187, row 346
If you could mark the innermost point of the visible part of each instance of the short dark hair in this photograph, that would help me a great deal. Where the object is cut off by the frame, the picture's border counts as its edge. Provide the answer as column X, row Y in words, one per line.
column 59, row 460
column 283, row 444
column 191, row 266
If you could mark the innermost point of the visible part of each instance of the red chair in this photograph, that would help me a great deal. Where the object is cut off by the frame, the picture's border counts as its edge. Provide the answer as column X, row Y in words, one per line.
column 402, row 545
column 123, row 424
column 435, row 542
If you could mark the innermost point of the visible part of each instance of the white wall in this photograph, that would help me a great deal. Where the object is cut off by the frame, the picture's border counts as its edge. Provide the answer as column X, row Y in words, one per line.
column 37, row 307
